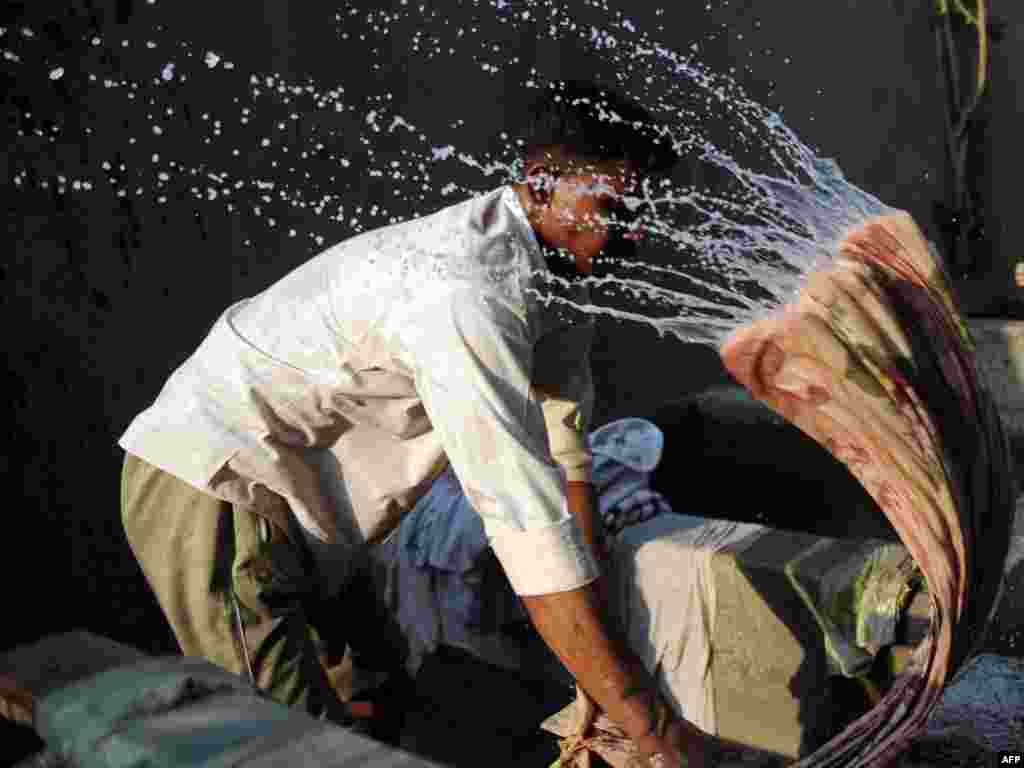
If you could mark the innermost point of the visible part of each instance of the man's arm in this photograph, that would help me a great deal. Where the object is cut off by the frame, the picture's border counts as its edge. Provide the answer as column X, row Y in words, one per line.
column 582, row 500
column 474, row 382
column 612, row 675
column 583, row 506
column 576, row 626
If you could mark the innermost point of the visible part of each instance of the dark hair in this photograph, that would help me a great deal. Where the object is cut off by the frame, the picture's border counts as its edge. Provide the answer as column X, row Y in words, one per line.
column 593, row 122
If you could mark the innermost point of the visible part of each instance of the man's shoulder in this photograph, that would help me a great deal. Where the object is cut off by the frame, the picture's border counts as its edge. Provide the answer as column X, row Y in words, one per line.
column 462, row 209
column 454, row 220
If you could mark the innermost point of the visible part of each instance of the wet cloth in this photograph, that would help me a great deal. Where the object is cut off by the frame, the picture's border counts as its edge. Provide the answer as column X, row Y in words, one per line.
column 380, row 361
column 874, row 362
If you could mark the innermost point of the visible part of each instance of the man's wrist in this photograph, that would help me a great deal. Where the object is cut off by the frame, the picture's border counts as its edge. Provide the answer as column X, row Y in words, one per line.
column 647, row 714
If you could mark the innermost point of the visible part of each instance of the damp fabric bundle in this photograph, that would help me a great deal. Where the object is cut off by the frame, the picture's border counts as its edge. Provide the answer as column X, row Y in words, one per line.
column 874, row 361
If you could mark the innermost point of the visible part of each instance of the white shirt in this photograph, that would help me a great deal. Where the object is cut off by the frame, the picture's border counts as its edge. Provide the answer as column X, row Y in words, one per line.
column 347, row 386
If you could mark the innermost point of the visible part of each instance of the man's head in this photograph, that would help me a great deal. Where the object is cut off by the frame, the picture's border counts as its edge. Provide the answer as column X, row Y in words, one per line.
column 587, row 148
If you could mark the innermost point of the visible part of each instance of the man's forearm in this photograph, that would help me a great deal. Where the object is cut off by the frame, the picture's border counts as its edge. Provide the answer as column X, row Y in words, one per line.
column 575, row 626
column 571, row 624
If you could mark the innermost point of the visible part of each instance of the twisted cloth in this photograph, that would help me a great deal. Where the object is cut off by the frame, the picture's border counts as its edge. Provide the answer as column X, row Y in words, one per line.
column 875, row 363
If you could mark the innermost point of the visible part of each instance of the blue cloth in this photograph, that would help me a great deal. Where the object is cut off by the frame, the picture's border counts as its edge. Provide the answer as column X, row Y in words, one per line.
column 444, row 531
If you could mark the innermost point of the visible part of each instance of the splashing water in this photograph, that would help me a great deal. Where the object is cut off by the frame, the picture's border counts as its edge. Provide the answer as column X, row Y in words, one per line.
column 725, row 245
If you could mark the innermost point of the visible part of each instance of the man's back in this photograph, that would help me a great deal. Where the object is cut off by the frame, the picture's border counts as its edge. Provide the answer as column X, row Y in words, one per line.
column 362, row 303
column 338, row 345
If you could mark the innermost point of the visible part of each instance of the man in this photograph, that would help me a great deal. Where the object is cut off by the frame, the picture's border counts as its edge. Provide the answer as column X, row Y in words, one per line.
column 393, row 354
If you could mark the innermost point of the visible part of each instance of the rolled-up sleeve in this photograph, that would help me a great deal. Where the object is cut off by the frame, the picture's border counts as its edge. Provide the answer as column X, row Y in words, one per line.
column 564, row 387
column 476, row 357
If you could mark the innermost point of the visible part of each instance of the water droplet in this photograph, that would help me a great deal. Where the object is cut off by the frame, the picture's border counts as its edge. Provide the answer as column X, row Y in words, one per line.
column 435, row 160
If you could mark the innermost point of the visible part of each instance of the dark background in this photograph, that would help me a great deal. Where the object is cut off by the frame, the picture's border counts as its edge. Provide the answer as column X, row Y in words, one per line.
column 102, row 298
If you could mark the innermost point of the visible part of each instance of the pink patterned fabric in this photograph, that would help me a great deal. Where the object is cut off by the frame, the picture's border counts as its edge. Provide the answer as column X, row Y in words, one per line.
column 874, row 362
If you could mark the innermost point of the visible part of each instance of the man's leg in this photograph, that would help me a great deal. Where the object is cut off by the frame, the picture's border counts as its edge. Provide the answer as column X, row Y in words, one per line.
column 375, row 639
column 374, row 669
column 196, row 551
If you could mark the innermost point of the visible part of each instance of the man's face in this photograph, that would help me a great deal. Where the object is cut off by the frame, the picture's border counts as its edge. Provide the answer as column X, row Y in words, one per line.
column 586, row 214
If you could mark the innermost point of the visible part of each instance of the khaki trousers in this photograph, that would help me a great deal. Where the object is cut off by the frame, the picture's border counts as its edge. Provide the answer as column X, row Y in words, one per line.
column 196, row 551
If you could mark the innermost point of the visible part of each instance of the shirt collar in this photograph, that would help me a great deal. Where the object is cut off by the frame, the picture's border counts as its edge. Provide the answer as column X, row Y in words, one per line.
column 511, row 199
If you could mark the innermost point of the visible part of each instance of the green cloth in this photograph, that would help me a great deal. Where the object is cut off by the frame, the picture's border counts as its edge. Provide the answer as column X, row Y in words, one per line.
column 857, row 590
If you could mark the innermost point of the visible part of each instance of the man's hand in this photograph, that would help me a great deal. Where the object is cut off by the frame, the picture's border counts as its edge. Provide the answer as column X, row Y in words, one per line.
column 674, row 743
column 613, row 676
column 575, row 626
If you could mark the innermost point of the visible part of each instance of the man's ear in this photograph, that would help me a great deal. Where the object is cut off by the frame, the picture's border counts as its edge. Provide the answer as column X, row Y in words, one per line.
column 540, row 182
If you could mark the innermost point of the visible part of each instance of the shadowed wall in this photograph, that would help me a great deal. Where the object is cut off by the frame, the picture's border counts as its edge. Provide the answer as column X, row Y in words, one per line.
column 103, row 297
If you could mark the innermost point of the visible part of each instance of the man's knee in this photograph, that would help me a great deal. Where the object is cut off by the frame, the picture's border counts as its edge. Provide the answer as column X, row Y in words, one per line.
column 271, row 574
